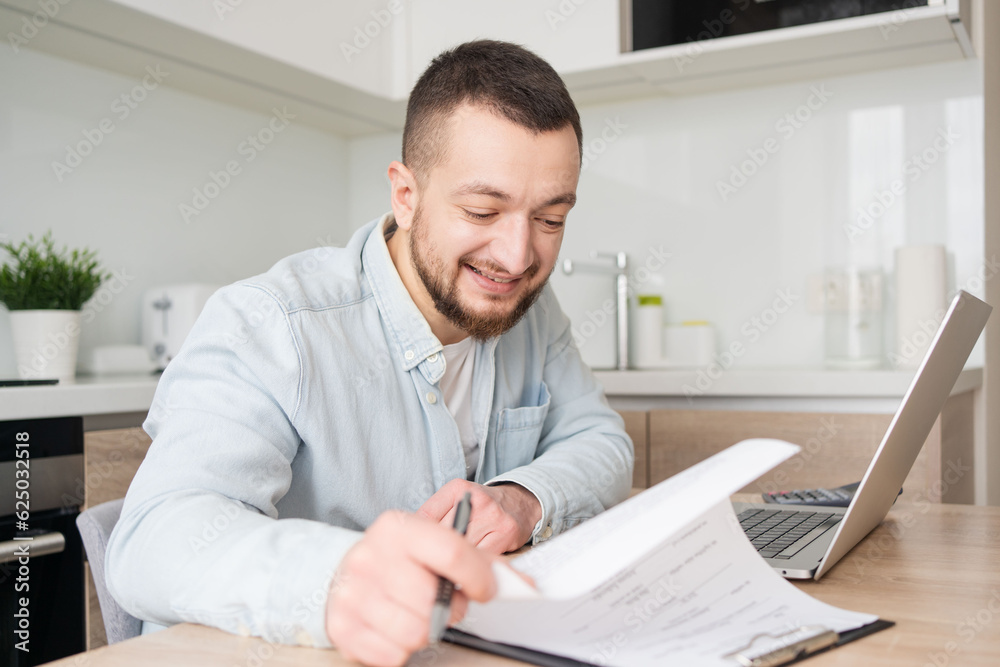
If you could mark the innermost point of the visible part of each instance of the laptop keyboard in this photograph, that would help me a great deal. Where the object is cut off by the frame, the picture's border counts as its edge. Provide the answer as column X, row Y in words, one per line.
column 783, row 533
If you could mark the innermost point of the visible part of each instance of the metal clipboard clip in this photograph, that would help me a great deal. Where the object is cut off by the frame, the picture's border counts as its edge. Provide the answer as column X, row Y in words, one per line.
column 768, row 650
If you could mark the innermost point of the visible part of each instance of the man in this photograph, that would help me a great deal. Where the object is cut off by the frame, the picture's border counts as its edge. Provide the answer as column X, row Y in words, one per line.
column 368, row 388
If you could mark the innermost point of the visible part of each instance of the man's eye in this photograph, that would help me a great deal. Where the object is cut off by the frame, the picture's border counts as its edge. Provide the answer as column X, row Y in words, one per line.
column 477, row 216
column 553, row 224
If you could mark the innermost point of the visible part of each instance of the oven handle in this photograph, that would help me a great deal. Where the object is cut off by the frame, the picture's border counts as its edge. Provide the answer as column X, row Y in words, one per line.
column 39, row 545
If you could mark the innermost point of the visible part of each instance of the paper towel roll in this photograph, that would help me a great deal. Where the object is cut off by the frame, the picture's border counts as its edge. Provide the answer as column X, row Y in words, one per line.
column 921, row 286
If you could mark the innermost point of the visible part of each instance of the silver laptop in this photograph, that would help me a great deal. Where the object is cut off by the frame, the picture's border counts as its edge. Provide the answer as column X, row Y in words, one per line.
column 823, row 535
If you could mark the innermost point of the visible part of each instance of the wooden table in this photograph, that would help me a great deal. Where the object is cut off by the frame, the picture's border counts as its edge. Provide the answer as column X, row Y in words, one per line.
column 934, row 569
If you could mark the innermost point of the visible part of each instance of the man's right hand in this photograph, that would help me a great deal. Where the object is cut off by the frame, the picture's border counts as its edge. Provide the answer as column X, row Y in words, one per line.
column 380, row 602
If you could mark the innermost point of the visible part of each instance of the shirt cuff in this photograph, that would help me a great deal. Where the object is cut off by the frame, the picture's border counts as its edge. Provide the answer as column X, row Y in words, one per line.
column 546, row 495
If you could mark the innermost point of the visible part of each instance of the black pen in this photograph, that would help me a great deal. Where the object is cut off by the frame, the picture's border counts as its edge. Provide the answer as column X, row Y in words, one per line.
column 442, row 605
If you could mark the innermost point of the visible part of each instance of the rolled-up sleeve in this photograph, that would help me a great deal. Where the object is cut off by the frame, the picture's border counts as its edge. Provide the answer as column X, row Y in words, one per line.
column 199, row 538
column 584, row 459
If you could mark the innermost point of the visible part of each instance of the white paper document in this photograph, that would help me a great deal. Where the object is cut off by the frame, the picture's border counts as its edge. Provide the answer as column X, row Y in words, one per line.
column 666, row 575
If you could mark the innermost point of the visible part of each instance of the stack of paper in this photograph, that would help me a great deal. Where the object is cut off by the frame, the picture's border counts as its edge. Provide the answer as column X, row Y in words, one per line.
column 668, row 574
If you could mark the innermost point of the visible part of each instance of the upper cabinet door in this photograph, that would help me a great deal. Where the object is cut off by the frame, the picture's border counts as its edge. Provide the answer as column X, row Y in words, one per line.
column 348, row 42
column 572, row 35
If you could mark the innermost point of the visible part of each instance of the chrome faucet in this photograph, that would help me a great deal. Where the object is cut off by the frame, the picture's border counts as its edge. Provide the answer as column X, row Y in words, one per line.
column 621, row 281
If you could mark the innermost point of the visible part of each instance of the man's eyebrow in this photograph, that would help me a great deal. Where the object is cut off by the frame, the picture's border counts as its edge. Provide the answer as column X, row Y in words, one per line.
column 478, row 188
column 567, row 198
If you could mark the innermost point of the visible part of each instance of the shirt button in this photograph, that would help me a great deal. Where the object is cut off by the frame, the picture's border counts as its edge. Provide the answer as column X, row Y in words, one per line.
column 409, row 355
column 432, row 398
column 547, row 533
column 433, row 357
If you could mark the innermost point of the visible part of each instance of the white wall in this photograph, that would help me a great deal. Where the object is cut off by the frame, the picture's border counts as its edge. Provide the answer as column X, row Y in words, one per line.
column 658, row 184
column 123, row 199
column 655, row 184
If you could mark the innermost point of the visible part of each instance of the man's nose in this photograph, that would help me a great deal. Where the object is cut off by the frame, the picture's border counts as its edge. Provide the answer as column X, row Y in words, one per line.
column 511, row 248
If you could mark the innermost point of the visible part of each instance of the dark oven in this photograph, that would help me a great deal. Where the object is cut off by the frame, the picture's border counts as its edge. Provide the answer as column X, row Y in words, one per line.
column 41, row 556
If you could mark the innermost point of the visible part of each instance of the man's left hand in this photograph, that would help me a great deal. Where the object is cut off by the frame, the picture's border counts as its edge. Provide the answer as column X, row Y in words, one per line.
column 502, row 519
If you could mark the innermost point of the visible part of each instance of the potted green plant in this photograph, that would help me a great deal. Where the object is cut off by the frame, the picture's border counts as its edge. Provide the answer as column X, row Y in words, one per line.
column 44, row 290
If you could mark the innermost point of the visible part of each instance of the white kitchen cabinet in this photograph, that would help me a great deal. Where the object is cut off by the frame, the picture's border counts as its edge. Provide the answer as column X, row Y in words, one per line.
column 257, row 55
column 575, row 36
column 347, row 42
column 583, row 41
column 347, row 67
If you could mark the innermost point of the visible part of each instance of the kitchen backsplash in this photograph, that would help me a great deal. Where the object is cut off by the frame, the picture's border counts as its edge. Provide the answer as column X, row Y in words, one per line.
column 181, row 189
column 726, row 204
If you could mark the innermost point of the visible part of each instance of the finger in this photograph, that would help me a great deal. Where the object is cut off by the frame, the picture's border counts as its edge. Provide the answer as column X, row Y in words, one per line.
column 366, row 645
column 408, row 630
column 449, row 518
column 459, row 605
column 442, row 502
column 447, row 554
column 486, row 515
column 495, row 542
column 413, row 586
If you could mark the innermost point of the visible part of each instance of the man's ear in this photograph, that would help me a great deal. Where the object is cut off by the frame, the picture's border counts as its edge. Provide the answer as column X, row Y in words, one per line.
column 403, row 193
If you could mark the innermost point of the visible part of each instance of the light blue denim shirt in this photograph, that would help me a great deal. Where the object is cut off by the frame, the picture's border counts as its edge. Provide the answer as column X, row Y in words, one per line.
column 303, row 404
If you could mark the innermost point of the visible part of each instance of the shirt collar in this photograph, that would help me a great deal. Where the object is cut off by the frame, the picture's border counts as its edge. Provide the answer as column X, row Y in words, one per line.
column 410, row 334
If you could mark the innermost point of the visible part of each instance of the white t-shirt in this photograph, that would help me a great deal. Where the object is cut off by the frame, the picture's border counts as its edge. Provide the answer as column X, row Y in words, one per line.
column 456, row 388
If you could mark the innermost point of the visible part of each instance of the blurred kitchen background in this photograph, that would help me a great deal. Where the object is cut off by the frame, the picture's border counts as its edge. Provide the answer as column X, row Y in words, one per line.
column 733, row 172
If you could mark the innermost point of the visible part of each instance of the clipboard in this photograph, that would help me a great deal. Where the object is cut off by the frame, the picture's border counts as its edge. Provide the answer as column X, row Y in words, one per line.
column 783, row 649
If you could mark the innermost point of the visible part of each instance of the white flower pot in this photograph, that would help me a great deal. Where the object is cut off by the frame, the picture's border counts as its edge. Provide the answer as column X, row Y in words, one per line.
column 45, row 342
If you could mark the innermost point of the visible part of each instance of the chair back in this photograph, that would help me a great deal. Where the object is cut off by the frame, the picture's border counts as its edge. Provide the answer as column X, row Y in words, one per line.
column 95, row 526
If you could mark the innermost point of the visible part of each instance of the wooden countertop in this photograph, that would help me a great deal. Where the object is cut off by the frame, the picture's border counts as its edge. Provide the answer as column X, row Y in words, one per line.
column 933, row 569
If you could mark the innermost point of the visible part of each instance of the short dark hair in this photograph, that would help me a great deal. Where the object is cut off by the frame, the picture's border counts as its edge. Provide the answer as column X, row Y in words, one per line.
column 503, row 78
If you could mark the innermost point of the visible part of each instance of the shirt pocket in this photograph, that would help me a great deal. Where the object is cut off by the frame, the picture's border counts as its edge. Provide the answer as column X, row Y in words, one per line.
column 518, row 432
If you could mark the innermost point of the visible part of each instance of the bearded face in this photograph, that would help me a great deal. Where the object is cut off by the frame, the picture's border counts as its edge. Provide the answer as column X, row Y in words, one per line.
column 498, row 307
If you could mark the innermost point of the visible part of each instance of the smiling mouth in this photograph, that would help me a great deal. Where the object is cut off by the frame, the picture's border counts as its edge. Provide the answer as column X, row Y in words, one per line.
column 486, row 275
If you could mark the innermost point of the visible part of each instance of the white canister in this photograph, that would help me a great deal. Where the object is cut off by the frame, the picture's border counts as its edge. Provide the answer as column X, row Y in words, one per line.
column 690, row 344
column 648, row 332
